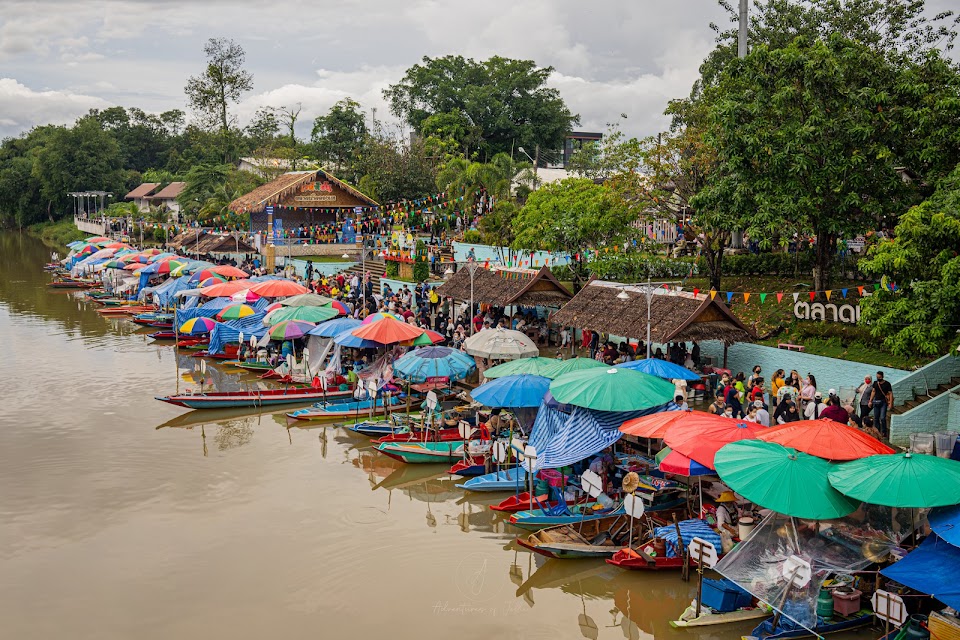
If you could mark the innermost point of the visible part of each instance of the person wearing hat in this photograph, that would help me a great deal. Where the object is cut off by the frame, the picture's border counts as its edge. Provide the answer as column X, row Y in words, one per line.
column 763, row 416
column 815, row 407
column 727, row 518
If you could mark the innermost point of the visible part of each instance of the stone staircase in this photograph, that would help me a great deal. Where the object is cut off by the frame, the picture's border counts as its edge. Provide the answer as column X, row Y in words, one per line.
column 930, row 395
column 376, row 269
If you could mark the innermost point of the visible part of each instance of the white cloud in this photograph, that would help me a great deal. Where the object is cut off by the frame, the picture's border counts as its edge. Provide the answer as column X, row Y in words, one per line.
column 22, row 107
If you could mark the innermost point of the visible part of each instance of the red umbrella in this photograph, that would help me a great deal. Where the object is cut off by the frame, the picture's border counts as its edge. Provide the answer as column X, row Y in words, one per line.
column 655, row 425
column 339, row 306
column 277, row 288
column 699, row 437
column 272, row 307
column 229, row 271
column 826, row 439
column 226, row 288
column 387, row 331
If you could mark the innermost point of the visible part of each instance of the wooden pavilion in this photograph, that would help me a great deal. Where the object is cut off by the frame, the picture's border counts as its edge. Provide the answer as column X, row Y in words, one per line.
column 507, row 287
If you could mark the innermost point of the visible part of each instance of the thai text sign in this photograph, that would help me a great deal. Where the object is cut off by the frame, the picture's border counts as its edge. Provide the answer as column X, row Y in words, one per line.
column 847, row 313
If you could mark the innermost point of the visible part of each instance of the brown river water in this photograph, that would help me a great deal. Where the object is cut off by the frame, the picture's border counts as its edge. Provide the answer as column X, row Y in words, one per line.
column 124, row 517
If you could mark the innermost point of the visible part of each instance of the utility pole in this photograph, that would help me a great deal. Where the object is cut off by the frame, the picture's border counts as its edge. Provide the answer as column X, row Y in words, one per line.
column 742, row 39
column 536, row 163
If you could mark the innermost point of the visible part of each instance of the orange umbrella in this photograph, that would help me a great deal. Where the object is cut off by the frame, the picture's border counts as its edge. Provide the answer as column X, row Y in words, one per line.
column 226, row 288
column 387, row 331
column 655, row 425
column 826, row 439
column 277, row 288
column 700, row 437
column 228, row 271
column 134, row 266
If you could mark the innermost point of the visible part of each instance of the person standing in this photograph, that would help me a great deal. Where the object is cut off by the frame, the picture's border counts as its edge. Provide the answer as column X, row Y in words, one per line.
column 881, row 398
column 814, row 408
column 763, row 416
column 864, row 392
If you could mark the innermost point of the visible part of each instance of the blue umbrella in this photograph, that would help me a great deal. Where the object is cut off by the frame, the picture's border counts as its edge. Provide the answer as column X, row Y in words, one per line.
column 331, row 328
column 661, row 369
column 524, row 390
column 945, row 522
column 427, row 362
column 347, row 339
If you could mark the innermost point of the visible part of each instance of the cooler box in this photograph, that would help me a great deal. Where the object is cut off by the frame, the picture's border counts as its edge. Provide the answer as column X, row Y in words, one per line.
column 724, row 595
column 846, row 603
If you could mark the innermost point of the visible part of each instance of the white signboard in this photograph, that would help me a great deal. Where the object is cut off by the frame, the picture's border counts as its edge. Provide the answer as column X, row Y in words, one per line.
column 846, row 313
column 633, row 505
column 889, row 607
column 798, row 570
column 703, row 552
column 591, row 483
column 432, row 401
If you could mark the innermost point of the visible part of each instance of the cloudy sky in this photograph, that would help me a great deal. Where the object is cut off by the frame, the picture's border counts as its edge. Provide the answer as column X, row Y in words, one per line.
column 57, row 60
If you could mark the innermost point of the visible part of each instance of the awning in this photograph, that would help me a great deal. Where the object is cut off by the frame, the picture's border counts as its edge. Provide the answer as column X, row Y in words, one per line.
column 931, row 568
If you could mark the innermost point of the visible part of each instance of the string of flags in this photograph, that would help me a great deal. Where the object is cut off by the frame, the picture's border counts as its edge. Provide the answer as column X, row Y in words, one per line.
column 828, row 294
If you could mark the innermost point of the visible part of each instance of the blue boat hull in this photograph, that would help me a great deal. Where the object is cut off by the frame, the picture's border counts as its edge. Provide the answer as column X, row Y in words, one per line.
column 762, row 631
column 534, row 520
column 507, row 480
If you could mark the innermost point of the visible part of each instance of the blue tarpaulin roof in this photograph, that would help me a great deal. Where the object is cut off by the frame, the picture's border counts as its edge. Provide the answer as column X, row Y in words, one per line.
column 931, row 568
column 228, row 332
column 163, row 293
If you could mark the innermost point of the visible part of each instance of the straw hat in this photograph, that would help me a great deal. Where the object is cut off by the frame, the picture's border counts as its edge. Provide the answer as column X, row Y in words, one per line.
column 727, row 496
column 630, row 482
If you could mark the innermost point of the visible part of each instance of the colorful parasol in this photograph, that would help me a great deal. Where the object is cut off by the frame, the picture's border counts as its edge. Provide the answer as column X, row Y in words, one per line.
column 521, row 390
column 306, row 300
column 500, row 344
column 235, row 312
column 212, row 280
column 228, row 271
column 226, row 288
column 197, row 326
column 387, row 331
column 661, row 369
column 900, row 480
column 307, row 314
column 433, row 362
column 290, row 329
column 782, row 479
column 426, row 339
column 245, row 296
column 347, row 339
column 678, row 464
column 277, row 288
column 169, row 265
column 380, row 315
column 611, row 390
column 114, row 264
column 656, row 425
column 331, row 328
column 826, row 439
column 560, row 367
column 536, row 366
column 339, row 306
column 699, row 437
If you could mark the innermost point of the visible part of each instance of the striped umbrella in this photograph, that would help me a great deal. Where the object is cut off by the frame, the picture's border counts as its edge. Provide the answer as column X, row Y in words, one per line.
column 198, row 326
column 235, row 312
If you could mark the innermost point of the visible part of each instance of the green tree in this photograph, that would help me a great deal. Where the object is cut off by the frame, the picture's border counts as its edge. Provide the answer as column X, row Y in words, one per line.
column 392, row 170
column 504, row 102
column 338, row 136
column 811, row 135
column 495, row 178
column 222, row 83
column 572, row 216
column 923, row 262
column 496, row 228
column 264, row 128
column 612, row 155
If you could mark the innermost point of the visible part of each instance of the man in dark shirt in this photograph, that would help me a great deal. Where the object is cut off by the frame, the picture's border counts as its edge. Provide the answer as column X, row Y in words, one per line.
column 881, row 397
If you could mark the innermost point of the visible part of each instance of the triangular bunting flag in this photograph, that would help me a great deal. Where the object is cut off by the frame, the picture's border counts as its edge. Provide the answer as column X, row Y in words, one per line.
column 729, row 296
column 713, row 293
column 780, row 298
column 860, row 290
column 763, row 298
column 696, row 291
column 679, row 288
column 829, row 291
column 843, row 293
column 813, row 294
column 746, row 296
column 795, row 296
column 876, row 287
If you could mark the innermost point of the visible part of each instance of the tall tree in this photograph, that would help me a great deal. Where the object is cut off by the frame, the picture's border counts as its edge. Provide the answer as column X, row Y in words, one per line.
column 812, row 134
column 393, row 170
column 503, row 101
column 339, row 135
column 613, row 154
column 264, row 128
column 222, row 83
column 923, row 264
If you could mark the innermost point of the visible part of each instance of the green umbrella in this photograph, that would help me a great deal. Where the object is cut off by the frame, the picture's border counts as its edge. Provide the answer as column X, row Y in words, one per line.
column 307, row 314
column 900, row 480
column 559, row 367
column 782, row 479
column 535, row 366
column 611, row 390
column 306, row 300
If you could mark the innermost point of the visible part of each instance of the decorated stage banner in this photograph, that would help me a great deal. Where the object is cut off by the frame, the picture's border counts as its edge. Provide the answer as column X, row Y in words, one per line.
column 348, row 232
column 277, row 230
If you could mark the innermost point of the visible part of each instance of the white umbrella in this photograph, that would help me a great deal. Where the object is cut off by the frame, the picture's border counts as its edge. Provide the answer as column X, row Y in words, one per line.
column 500, row 344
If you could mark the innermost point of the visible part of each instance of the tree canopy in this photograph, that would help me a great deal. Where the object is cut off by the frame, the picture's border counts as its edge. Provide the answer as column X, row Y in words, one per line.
column 339, row 135
column 487, row 107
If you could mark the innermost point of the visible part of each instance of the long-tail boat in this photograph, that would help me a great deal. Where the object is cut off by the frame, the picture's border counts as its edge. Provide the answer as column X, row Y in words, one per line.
column 594, row 538
column 255, row 398
column 331, row 411
column 423, row 452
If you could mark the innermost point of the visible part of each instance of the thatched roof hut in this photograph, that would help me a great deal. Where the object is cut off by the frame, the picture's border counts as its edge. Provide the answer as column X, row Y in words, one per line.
column 506, row 287
column 303, row 189
column 675, row 316
column 189, row 243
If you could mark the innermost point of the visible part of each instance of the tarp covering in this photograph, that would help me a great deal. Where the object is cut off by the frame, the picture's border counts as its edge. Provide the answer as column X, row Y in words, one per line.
column 689, row 529
column 163, row 293
column 931, row 568
column 229, row 332
column 562, row 439
column 758, row 564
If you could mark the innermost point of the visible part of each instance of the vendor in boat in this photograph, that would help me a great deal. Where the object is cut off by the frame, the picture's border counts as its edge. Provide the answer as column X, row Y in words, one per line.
column 494, row 422
column 728, row 515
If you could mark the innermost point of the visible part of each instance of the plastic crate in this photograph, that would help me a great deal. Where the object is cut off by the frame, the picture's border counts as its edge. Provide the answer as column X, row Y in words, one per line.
column 724, row 595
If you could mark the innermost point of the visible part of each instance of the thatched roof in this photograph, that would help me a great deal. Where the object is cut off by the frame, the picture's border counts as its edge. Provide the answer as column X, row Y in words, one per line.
column 209, row 243
column 505, row 287
column 276, row 190
column 674, row 315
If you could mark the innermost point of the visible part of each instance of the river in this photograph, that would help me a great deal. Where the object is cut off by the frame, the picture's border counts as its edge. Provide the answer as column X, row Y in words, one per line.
column 120, row 520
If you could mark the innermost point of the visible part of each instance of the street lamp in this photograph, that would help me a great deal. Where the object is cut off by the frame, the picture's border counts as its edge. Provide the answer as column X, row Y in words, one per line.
column 648, row 289
column 472, row 266
column 535, row 162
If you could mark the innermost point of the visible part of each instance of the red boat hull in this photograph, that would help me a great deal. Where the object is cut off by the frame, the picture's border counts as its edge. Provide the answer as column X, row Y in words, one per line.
column 446, row 435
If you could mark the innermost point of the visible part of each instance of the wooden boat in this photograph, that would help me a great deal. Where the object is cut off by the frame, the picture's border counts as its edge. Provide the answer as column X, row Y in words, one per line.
column 543, row 516
column 73, row 284
column 765, row 630
column 521, row 502
column 251, row 365
column 417, row 435
column 594, row 538
column 163, row 335
column 333, row 411
column 422, row 452
column 152, row 318
column 469, row 466
column 125, row 311
column 708, row 617
column 257, row 398
column 503, row 480
column 637, row 559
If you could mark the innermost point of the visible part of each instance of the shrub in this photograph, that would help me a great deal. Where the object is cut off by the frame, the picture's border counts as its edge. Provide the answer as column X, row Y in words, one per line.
column 471, row 236
column 421, row 270
column 392, row 269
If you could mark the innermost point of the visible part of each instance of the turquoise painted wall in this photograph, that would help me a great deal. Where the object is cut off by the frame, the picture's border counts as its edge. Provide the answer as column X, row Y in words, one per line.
column 326, row 268
column 931, row 416
column 486, row 252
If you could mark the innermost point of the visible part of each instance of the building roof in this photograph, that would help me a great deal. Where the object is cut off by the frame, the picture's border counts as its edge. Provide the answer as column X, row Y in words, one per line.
column 143, row 190
column 504, row 287
column 171, row 191
column 188, row 242
column 674, row 315
column 284, row 185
